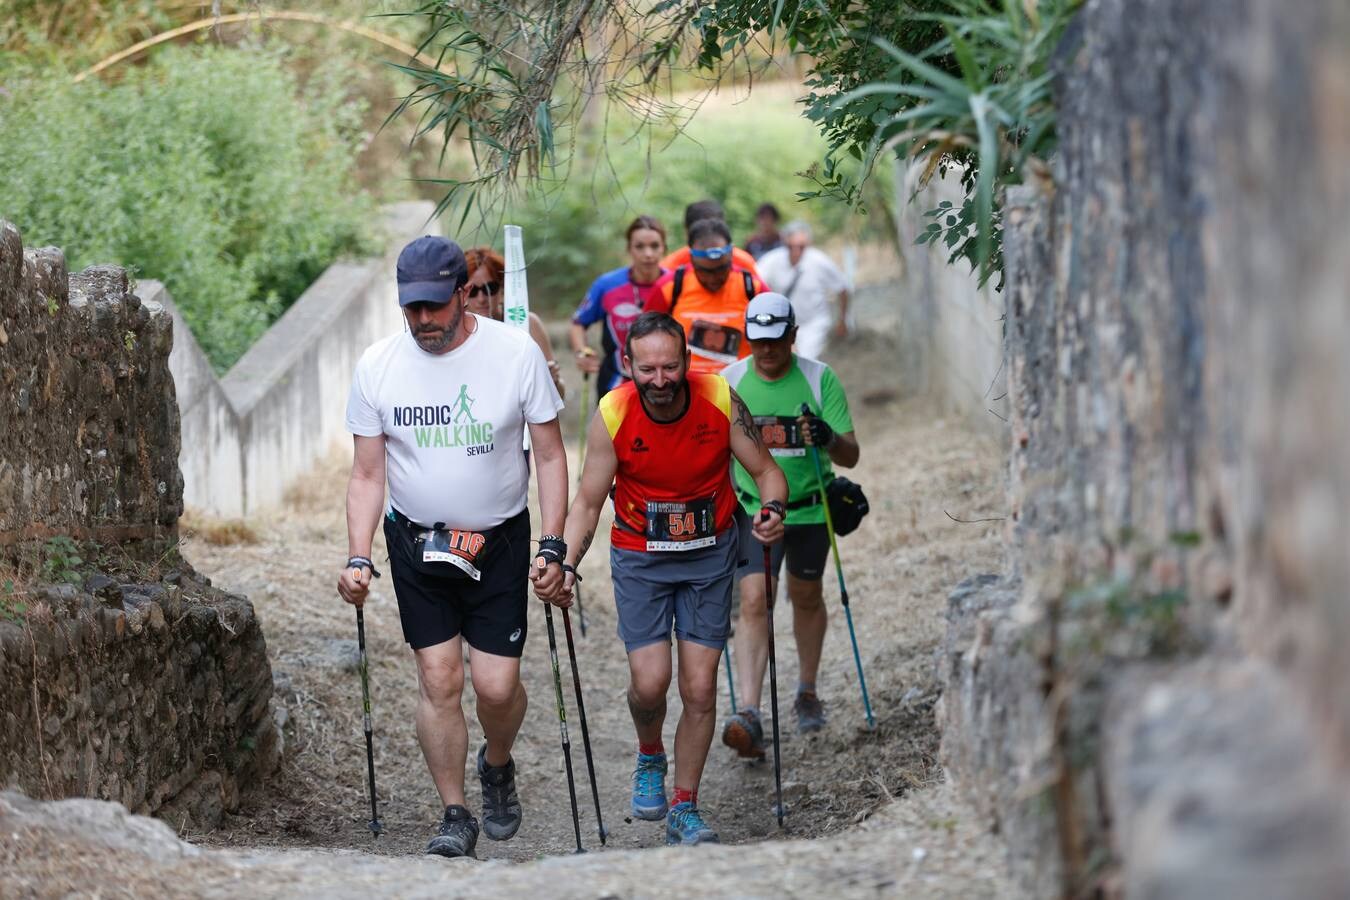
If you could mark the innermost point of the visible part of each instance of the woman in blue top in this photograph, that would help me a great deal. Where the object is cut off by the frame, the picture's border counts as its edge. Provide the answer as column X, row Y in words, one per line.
column 617, row 298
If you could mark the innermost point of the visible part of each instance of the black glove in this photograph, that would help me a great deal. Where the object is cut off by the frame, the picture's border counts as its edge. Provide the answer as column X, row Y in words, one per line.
column 552, row 549
column 822, row 435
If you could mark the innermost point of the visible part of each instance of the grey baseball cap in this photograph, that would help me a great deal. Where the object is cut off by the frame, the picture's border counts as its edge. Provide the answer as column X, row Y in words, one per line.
column 768, row 317
column 430, row 269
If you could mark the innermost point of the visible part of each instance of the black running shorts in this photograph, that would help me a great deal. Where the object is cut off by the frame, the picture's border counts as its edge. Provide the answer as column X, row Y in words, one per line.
column 807, row 548
column 490, row 613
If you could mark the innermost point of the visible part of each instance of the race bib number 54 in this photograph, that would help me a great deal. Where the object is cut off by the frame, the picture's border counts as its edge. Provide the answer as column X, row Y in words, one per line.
column 681, row 524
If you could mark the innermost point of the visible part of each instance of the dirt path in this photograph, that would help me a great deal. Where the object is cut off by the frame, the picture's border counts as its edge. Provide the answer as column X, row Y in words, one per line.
column 899, row 568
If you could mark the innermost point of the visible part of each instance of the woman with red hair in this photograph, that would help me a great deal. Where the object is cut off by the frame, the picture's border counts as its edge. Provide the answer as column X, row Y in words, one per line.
column 487, row 276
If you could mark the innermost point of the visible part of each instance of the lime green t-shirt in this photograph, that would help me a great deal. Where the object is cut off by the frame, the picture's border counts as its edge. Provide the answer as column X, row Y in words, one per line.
column 808, row 381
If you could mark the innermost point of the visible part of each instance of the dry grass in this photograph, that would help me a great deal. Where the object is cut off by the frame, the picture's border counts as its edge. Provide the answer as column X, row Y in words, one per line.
column 312, row 494
column 216, row 531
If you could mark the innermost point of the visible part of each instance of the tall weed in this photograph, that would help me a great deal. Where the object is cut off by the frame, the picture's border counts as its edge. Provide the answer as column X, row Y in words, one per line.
column 210, row 169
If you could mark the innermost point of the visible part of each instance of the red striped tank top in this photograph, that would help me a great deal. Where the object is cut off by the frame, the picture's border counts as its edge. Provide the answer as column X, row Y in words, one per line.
column 672, row 489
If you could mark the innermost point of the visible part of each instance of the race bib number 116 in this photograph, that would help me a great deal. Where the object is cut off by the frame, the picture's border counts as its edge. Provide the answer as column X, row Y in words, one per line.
column 460, row 549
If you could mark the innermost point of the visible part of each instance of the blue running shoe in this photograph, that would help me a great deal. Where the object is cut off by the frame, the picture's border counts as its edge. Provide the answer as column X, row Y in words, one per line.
column 649, row 787
column 684, row 825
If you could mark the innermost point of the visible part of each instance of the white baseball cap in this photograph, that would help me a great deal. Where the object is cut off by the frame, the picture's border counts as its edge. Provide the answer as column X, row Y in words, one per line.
column 768, row 317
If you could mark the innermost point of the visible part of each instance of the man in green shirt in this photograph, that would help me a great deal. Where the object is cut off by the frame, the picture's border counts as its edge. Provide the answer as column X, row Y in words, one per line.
column 775, row 382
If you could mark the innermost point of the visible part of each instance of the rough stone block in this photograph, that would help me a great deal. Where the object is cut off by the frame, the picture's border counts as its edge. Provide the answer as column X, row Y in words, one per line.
column 134, row 706
column 1216, row 789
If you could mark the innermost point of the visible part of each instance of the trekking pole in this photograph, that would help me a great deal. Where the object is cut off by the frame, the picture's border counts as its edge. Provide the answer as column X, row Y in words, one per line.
column 731, row 682
column 839, row 570
column 581, row 613
column 562, row 722
column 581, row 418
column 585, row 732
column 773, row 680
column 374, row 825
column 581, row 461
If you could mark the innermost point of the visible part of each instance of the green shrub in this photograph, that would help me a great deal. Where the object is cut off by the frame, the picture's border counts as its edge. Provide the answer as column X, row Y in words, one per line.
column 209, row 169
column 741, row 155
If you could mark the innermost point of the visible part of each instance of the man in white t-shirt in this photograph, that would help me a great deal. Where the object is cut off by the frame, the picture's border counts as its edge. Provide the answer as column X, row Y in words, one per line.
column 440, row 412
column 811, row 281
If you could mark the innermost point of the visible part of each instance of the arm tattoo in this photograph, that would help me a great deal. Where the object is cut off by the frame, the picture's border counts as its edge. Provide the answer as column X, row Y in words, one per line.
column 585, row 545
column 745, row 420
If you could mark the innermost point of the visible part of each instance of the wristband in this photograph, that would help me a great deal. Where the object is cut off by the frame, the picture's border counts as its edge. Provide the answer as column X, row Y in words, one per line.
column 552, row 549
column 353, row 561
column 568, row 567
column 774, row 506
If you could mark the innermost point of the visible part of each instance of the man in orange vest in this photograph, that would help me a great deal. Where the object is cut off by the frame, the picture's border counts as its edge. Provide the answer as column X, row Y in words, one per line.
column 697, row 212
column 665, row 441
column 708, row 298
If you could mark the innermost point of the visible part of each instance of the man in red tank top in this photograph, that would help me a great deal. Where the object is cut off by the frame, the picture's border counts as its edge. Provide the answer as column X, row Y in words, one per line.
column 665, row 441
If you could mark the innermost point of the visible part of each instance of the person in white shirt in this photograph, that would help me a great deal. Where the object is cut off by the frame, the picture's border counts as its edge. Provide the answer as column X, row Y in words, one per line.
column 439, row 412
column 812, row 282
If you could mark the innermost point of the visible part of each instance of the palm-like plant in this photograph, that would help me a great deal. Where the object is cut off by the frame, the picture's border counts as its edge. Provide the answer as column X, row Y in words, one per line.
column 995, row 117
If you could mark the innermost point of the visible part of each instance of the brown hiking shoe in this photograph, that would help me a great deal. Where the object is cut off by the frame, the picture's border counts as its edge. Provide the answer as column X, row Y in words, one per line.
column 744, row 734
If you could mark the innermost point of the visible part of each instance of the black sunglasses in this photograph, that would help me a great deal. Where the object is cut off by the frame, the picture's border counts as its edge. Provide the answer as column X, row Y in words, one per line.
column 488, row 288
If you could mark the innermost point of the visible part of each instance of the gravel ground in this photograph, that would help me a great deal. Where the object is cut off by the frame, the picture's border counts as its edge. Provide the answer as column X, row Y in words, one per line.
column 868, row 811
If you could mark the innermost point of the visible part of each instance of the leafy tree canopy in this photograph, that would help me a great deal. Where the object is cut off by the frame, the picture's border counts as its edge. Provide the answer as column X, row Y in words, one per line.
column 951, row 82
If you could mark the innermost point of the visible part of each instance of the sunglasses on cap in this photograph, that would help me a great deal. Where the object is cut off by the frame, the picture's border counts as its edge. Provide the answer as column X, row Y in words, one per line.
column 713, row 253
column 489, row 288
column 766, row 319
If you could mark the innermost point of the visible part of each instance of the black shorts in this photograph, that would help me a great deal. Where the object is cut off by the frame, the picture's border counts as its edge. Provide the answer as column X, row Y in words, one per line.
column 490, row 613
column 807, row 548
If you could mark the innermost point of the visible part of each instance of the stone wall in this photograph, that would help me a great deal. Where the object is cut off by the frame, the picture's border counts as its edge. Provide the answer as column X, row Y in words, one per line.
column 89, row 442
column 142, row 685
column 282, row 406
column 1151, row 700
column 153, row 694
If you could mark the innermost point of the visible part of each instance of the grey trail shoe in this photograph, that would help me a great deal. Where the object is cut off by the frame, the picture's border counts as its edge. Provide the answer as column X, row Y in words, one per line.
column 810, row 712
column 457, row 835
column 501, row 806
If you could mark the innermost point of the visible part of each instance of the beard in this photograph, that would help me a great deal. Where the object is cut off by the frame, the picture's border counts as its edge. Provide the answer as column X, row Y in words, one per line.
column 712, row 279
column 433, row 339
column 664, row 396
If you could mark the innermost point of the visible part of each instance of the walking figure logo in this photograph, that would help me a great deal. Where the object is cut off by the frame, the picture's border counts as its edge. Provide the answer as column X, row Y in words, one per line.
column 516, row 314
column 464, row 405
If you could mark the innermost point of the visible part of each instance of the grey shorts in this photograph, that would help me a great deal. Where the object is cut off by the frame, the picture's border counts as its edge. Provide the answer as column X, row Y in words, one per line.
column 807, row 548
column 690, row 590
